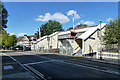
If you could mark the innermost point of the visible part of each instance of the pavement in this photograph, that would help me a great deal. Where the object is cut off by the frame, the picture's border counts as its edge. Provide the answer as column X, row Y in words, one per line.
column 59, row 67
column 12, row 70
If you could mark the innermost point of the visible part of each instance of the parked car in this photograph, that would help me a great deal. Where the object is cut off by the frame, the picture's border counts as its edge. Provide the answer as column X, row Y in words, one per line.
column 17, row 47
column 27, row 49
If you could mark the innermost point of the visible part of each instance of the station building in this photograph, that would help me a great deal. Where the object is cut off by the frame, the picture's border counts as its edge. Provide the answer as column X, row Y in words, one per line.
column 87, row 41
column 47, row 42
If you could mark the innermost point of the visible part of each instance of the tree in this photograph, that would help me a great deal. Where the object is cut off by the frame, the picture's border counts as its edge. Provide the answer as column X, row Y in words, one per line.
column 78, row 26
column 3, row 16
column 6, row 40
column 4, row 36
column 11, row 41
column 70, row 28
column 0, row 41
column 81, row 26
column 7, row 43
column 112, row 32
column 3, row 22
column 50, row 27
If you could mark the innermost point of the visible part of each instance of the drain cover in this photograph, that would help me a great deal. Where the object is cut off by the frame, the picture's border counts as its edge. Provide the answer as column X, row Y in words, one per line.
column 8, row 67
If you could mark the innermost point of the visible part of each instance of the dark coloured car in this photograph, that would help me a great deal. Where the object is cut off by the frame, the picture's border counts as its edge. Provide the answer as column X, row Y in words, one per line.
column 27, row 49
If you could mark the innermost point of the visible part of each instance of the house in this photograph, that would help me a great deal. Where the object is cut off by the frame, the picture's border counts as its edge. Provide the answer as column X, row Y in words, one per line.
column 25, row 40
column 19, row 40
column 87, row 41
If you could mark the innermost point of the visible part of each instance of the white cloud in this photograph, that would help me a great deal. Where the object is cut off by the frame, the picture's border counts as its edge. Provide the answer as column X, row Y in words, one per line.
column 82, row 21
column 109, row 19
column 56, row 16
column 44, row 18
column 21, row 34
column 89, row 23
column 60, row 17
column 71, row 12
column 78, row 24
column 12, row 34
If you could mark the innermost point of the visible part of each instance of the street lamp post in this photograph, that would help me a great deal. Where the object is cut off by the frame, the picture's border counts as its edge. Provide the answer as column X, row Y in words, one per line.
column 100, row 42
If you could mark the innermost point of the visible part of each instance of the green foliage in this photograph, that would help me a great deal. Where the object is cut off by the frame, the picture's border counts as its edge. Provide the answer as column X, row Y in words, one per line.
column 50, row 27
column 78, row 26
column 11, row 41
column 7, row 43
column 112, row 32
column 110, row 51
column 81, row 26
column 4, row 37
column 0, row 41
column 3, row 22
column 70, row 28
column 3, row 16
column 6, row 40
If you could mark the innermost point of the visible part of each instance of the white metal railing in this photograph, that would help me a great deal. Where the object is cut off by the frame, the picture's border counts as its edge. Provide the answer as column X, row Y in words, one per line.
column 110, row 55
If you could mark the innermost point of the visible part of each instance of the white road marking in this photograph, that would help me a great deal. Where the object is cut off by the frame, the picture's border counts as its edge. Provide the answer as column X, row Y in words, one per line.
column 15, row 60
column 38, row 62
column 36, row 72
column 40, row 74
column 8, row 67
column 108, row 71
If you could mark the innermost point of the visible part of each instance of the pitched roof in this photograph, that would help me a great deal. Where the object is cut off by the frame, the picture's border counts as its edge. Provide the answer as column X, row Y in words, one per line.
column 47, row 36
column 85, row 35
column 82, row 29
column 53, row 34
column 42, row 38
column 20, row 38
column 29, row 37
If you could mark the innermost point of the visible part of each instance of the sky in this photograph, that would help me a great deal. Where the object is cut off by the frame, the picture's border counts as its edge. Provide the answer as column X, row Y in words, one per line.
column 26, row 17
column 60, row 0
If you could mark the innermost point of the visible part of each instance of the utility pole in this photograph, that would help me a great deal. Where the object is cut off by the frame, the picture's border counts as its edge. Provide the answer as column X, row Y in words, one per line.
column 100, row 41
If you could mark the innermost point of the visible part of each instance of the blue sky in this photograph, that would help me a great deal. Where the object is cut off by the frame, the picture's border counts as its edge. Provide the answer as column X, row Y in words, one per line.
column 26, row 17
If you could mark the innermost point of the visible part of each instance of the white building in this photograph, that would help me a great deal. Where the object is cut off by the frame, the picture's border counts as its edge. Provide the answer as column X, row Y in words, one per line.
column 87, row 41
column 48, row 42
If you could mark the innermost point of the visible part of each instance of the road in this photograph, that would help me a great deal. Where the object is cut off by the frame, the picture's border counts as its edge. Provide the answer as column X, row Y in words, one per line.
column 54, row 67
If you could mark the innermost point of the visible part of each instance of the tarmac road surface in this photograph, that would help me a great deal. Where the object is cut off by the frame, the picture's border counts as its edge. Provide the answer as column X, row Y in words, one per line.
column 54, row 67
